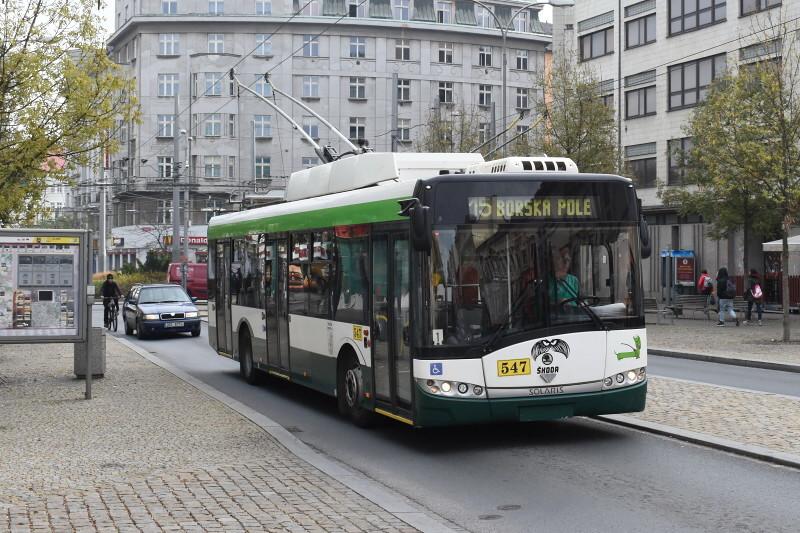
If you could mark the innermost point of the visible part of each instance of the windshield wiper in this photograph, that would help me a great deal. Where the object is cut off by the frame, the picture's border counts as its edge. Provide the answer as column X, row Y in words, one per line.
column 489, row 344
column 583, row 304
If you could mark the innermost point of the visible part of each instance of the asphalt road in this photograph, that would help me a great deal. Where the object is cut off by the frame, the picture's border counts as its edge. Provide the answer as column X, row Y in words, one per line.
column 573, row 475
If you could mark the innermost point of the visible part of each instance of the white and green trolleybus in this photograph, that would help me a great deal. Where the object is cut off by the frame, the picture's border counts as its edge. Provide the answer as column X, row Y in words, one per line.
column 439, row 289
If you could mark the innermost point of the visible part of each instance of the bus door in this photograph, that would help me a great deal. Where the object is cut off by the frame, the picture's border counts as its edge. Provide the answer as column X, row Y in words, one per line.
column 391, row 310
column 276, row 304
column 223, row 298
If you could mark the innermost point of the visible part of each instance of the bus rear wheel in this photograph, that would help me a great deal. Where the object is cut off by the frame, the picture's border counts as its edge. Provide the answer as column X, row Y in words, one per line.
column 349, row 391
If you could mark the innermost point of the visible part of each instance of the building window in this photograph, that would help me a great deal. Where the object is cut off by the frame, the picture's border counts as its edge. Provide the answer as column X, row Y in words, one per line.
column 689, row 82
column 263, row 45
column 522, row 98
column 213, row 207
column 216, row 7
column 216, row 43
column 754, row 6
column 231, row 125
column 262, row 126
column 689, row 15
column 404, row 129
column 358, row 47
column 310, row 86
column 484, row 56
column 358, row 88
column 309, row 162
column 485, row 95
column 521, row 21
column 262, row 87
column 483, row 132
column 311, row 9
column 164, row 166
column 231, row 166
column 444, row 12
column 310, row 46
column 165, row 211
column 678, row 157
column 522, row 60
column 402, row 50
column 213, row 125
column 357, row 8
column 445, row 92
column 483, row 17
column 640, row 31
column 401, row 9
column 358, row 128
column 213, row 84
column 311, row 127
column 597, row 44
column 213, row 166
column 445, row 52
column 608, row 100
column 169, row 7
column 168, row 84
column 643, row 171
column 263, row 7
column 168, row 44
column 640, row 102
column 262, row 168
column 404, row 90
column 166, row 126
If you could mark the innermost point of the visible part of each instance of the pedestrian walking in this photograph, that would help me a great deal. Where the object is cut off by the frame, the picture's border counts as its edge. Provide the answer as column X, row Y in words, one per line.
column 726, row 292
column 754, row 295
column 705, row 286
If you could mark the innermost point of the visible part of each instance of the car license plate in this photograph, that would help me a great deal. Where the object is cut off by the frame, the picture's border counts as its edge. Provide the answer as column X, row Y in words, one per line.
column 176, row 325
column 513, row 367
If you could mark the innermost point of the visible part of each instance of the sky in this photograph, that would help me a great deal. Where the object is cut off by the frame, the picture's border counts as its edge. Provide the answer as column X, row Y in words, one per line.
column 108, row 15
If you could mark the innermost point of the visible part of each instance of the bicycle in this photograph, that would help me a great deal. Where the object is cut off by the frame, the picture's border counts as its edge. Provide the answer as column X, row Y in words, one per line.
column 110, row 316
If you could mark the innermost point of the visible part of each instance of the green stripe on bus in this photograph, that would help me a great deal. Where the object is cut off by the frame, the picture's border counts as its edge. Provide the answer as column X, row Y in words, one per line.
column 369, row 212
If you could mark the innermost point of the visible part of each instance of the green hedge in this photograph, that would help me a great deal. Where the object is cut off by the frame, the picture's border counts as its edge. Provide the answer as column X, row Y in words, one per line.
column 126, row 280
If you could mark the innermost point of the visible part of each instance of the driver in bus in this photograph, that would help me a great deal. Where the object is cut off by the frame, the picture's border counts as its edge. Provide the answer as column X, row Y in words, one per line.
column 565, row 287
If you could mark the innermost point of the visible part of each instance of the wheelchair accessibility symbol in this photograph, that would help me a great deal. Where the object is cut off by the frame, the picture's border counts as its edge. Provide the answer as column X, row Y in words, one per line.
column 436, row 369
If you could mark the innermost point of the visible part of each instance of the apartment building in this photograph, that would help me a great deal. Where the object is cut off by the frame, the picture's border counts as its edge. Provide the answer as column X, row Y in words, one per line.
column 656, row 60
column 376, row 69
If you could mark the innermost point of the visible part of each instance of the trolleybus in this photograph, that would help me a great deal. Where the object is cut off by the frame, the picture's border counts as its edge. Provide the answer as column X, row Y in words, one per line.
column 439, row 289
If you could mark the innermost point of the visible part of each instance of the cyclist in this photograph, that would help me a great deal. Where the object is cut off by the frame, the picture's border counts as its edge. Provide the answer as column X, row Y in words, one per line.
column 110, row 291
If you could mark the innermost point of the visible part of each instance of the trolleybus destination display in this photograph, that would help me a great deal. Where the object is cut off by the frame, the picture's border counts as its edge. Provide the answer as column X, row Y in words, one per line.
column 42, row 285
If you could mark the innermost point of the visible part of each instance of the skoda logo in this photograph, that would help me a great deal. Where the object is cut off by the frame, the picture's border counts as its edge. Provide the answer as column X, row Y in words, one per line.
column 545, row 349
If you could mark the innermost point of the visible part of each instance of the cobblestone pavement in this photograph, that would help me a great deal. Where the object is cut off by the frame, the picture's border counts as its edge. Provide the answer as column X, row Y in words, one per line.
column 766, row 420
column 749, row 341
column 150, row 453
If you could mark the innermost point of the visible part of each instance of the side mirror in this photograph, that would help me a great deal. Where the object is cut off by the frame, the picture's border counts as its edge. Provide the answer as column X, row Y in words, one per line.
column 644, row 236
column 420, row 215
column 194, row 298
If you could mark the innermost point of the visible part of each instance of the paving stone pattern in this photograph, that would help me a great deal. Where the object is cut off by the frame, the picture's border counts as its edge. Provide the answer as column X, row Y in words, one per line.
column 701, row 336
column 150, row 453
column 766, row 420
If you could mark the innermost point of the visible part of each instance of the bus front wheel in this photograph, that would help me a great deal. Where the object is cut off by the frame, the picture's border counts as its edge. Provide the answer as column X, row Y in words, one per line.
column 350, row 389
column 246, row 368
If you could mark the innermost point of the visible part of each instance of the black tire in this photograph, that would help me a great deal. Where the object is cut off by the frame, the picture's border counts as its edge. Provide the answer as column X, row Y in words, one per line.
column 196, row 332
column 246, row 368
column 140, row 334
column 349, row 391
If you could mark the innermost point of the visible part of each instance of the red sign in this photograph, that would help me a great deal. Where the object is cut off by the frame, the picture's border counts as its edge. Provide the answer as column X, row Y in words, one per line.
column 684, row 270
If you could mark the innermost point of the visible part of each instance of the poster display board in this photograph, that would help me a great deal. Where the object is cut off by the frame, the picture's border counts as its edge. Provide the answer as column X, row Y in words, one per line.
column 43, row 279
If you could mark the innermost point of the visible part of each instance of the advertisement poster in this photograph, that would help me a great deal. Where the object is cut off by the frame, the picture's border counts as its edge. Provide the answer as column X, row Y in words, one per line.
column 684, row 270
column 39, row 276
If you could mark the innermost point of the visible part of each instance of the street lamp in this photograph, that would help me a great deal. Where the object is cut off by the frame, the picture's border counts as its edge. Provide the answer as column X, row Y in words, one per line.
column 504, row 31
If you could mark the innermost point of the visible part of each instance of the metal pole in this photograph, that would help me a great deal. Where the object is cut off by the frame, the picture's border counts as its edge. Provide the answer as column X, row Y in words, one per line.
column 504, row 111
column 88, row 321
column 103, row 231
column 176, row 251
column 394, row 112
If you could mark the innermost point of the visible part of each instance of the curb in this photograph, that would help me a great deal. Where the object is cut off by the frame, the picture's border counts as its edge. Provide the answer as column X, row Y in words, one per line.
column 767, row 365
column 384, row 497
column 719, row 443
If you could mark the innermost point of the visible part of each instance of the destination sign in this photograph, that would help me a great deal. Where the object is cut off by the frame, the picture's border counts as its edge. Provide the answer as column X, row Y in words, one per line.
column 486, row 208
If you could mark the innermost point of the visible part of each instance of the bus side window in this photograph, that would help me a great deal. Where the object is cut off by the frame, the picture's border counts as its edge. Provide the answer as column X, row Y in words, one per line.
column 212, row 269
column 298, row 274
column 351, row 292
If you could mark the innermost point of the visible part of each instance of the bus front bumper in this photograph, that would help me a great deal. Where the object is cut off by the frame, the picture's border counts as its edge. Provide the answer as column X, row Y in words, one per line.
column 434, row 411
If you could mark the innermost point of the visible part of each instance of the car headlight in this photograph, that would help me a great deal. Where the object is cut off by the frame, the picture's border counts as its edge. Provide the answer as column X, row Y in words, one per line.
column 191, row 314
column 151, row 317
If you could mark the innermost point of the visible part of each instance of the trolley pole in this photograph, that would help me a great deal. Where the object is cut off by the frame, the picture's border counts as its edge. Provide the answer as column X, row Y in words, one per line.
column 176, row 198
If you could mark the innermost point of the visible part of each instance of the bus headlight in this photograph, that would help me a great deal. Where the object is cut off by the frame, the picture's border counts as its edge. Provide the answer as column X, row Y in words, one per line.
column 623, row 379
column 631, row 376
column 451, row 389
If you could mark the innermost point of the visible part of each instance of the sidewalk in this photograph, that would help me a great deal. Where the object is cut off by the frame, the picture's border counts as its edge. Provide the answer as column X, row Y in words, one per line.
column 150, row 453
